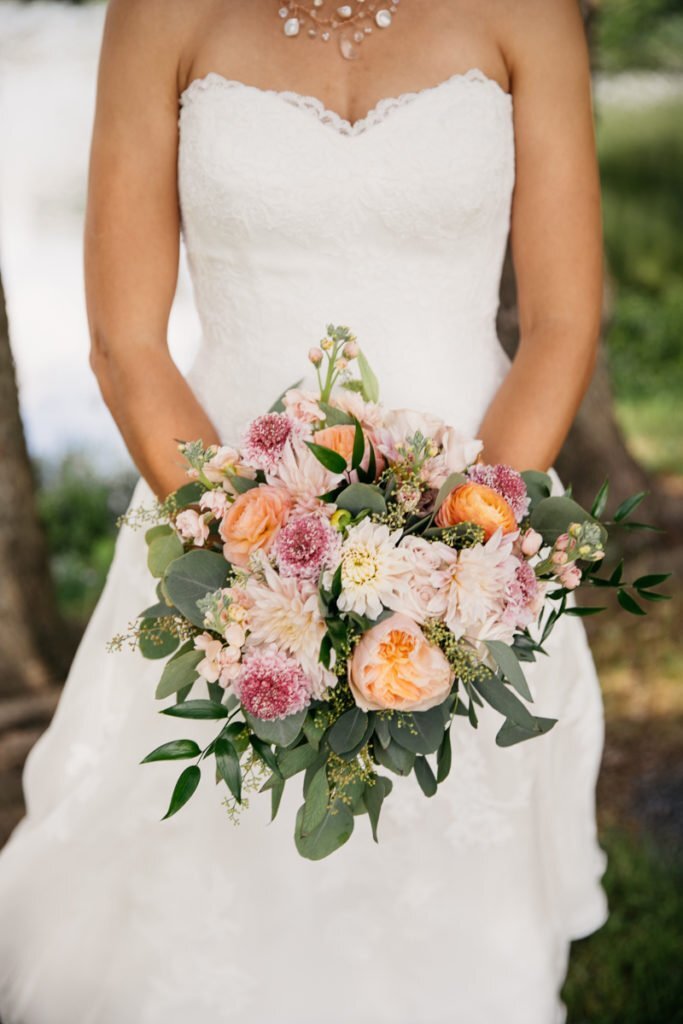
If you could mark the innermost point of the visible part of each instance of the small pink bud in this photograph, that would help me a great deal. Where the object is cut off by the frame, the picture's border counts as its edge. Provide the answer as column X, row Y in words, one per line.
column 315, row 356
column 531, row 542
column 341, row 364
column 351, row 349
column 559, row 558
column 571, row 577
column 562, row 542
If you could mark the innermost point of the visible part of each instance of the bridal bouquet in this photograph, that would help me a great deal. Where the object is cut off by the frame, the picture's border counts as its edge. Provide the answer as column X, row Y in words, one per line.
column 349, row 583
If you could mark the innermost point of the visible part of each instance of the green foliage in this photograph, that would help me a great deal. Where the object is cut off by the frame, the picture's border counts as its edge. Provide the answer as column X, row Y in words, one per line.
column 627, row 973
column 79, row 509
column 640, row 34
column 641, row 154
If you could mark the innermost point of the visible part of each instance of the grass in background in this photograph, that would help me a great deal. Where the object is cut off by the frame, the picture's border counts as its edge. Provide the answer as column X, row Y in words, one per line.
column 641, row 156
column 629, row 971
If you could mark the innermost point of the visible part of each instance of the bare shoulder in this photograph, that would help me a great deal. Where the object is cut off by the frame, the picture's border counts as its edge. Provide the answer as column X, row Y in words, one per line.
column 154, row 34
column 543, row 37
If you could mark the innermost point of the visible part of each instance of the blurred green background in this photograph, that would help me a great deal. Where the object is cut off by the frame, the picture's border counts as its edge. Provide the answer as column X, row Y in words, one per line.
column 631, row 971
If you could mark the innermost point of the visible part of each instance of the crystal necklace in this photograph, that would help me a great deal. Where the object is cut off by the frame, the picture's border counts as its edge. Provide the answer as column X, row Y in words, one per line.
column 350, row 23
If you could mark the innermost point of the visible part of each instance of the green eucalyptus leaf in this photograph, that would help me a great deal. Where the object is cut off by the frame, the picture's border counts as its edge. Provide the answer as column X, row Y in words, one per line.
column 317, row 798
column 374, row 796
column 425, row 776
column 348, row 730
column 204, row 709
column 538, row 485
column 501, row 697
column 162, row 530
column 359, row 497
column 554, row 515
column 449, row 484
column 280, row 731
column 162, row 551
column 629, row 604
column 330, row 459
column 421, row 732
column 176, row 750
column 509, row 733
column 277, row 790
column 154, row 641
column 184, row 788
column 178, row 673
column 228, row 763
column 296, row 760
column 396, row 758
column 444, row 757
column 600, row 503
column 628, row 506
column 506, row 660
column 368, row 379
column 191, row 577
column 333, row 831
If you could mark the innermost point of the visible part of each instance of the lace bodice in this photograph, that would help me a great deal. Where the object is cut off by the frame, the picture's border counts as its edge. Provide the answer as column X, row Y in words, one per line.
column 394, row 224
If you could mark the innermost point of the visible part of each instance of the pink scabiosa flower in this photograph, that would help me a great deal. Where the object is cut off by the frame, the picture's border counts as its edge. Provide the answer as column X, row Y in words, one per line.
column 521, row 593
column 507, row 482
column 305, row 546
column 272, row 685
column 264, row 440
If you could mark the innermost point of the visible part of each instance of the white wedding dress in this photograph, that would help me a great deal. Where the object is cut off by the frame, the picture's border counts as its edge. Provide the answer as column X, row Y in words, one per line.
column 395, row 225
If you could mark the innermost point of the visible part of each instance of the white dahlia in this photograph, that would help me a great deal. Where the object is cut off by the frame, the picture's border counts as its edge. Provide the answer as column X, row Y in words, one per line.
column 285, row 611
column 304, row 478
column 374, row 571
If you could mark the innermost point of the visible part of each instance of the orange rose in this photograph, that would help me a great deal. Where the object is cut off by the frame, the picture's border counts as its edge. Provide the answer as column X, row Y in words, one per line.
column 477, row 503
column 252, row 522
column 340, row 439
column 394, row 667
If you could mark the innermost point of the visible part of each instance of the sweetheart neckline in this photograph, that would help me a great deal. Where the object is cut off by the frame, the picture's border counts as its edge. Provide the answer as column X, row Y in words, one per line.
column 331, row 118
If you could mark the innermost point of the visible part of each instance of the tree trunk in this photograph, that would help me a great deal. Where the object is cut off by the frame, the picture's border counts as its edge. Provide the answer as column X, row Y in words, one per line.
column 33, row 652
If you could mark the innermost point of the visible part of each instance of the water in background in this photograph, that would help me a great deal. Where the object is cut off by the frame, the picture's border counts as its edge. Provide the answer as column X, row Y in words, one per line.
column 48, row 66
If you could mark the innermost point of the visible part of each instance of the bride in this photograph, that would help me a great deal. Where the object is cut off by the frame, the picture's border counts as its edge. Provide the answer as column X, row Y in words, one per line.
column 364, row 171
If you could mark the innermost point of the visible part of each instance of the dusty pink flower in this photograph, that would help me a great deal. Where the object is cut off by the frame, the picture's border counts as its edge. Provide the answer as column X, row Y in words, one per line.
column 191, row 526
column 507, row 482
column 521, row 592
column 315, row 355
column 531, row 543
column 562, row 542
column 305, row 546
column 302, row 405
column 271, row 685
column 215, row 502
column 570, row 577
column 265, row 439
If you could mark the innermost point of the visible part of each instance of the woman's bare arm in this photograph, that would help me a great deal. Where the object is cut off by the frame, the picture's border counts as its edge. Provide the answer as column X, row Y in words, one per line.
column 556, row 236
column 132, row 237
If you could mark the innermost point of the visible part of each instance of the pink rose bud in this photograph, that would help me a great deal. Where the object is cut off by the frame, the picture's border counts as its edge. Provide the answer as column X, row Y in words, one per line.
column 531, row 542
column 351, row 349
column 571, row 577
column 559, row 557
column 562, row 542
column 315, row 355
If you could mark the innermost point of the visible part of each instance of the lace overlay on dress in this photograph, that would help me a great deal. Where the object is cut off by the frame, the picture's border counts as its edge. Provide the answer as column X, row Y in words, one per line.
column 331, row 118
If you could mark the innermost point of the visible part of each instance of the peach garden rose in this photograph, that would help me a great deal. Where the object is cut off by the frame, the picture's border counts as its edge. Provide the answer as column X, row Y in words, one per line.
column 252, row 522
column 394, row 667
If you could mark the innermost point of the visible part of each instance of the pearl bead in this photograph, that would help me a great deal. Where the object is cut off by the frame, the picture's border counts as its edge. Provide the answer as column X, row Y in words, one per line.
column 292, row 27
column 283, row 12
column 345, row 11
column 383, row 18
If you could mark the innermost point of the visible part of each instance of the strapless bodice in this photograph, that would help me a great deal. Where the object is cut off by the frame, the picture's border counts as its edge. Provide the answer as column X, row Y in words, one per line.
column 395, row 225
